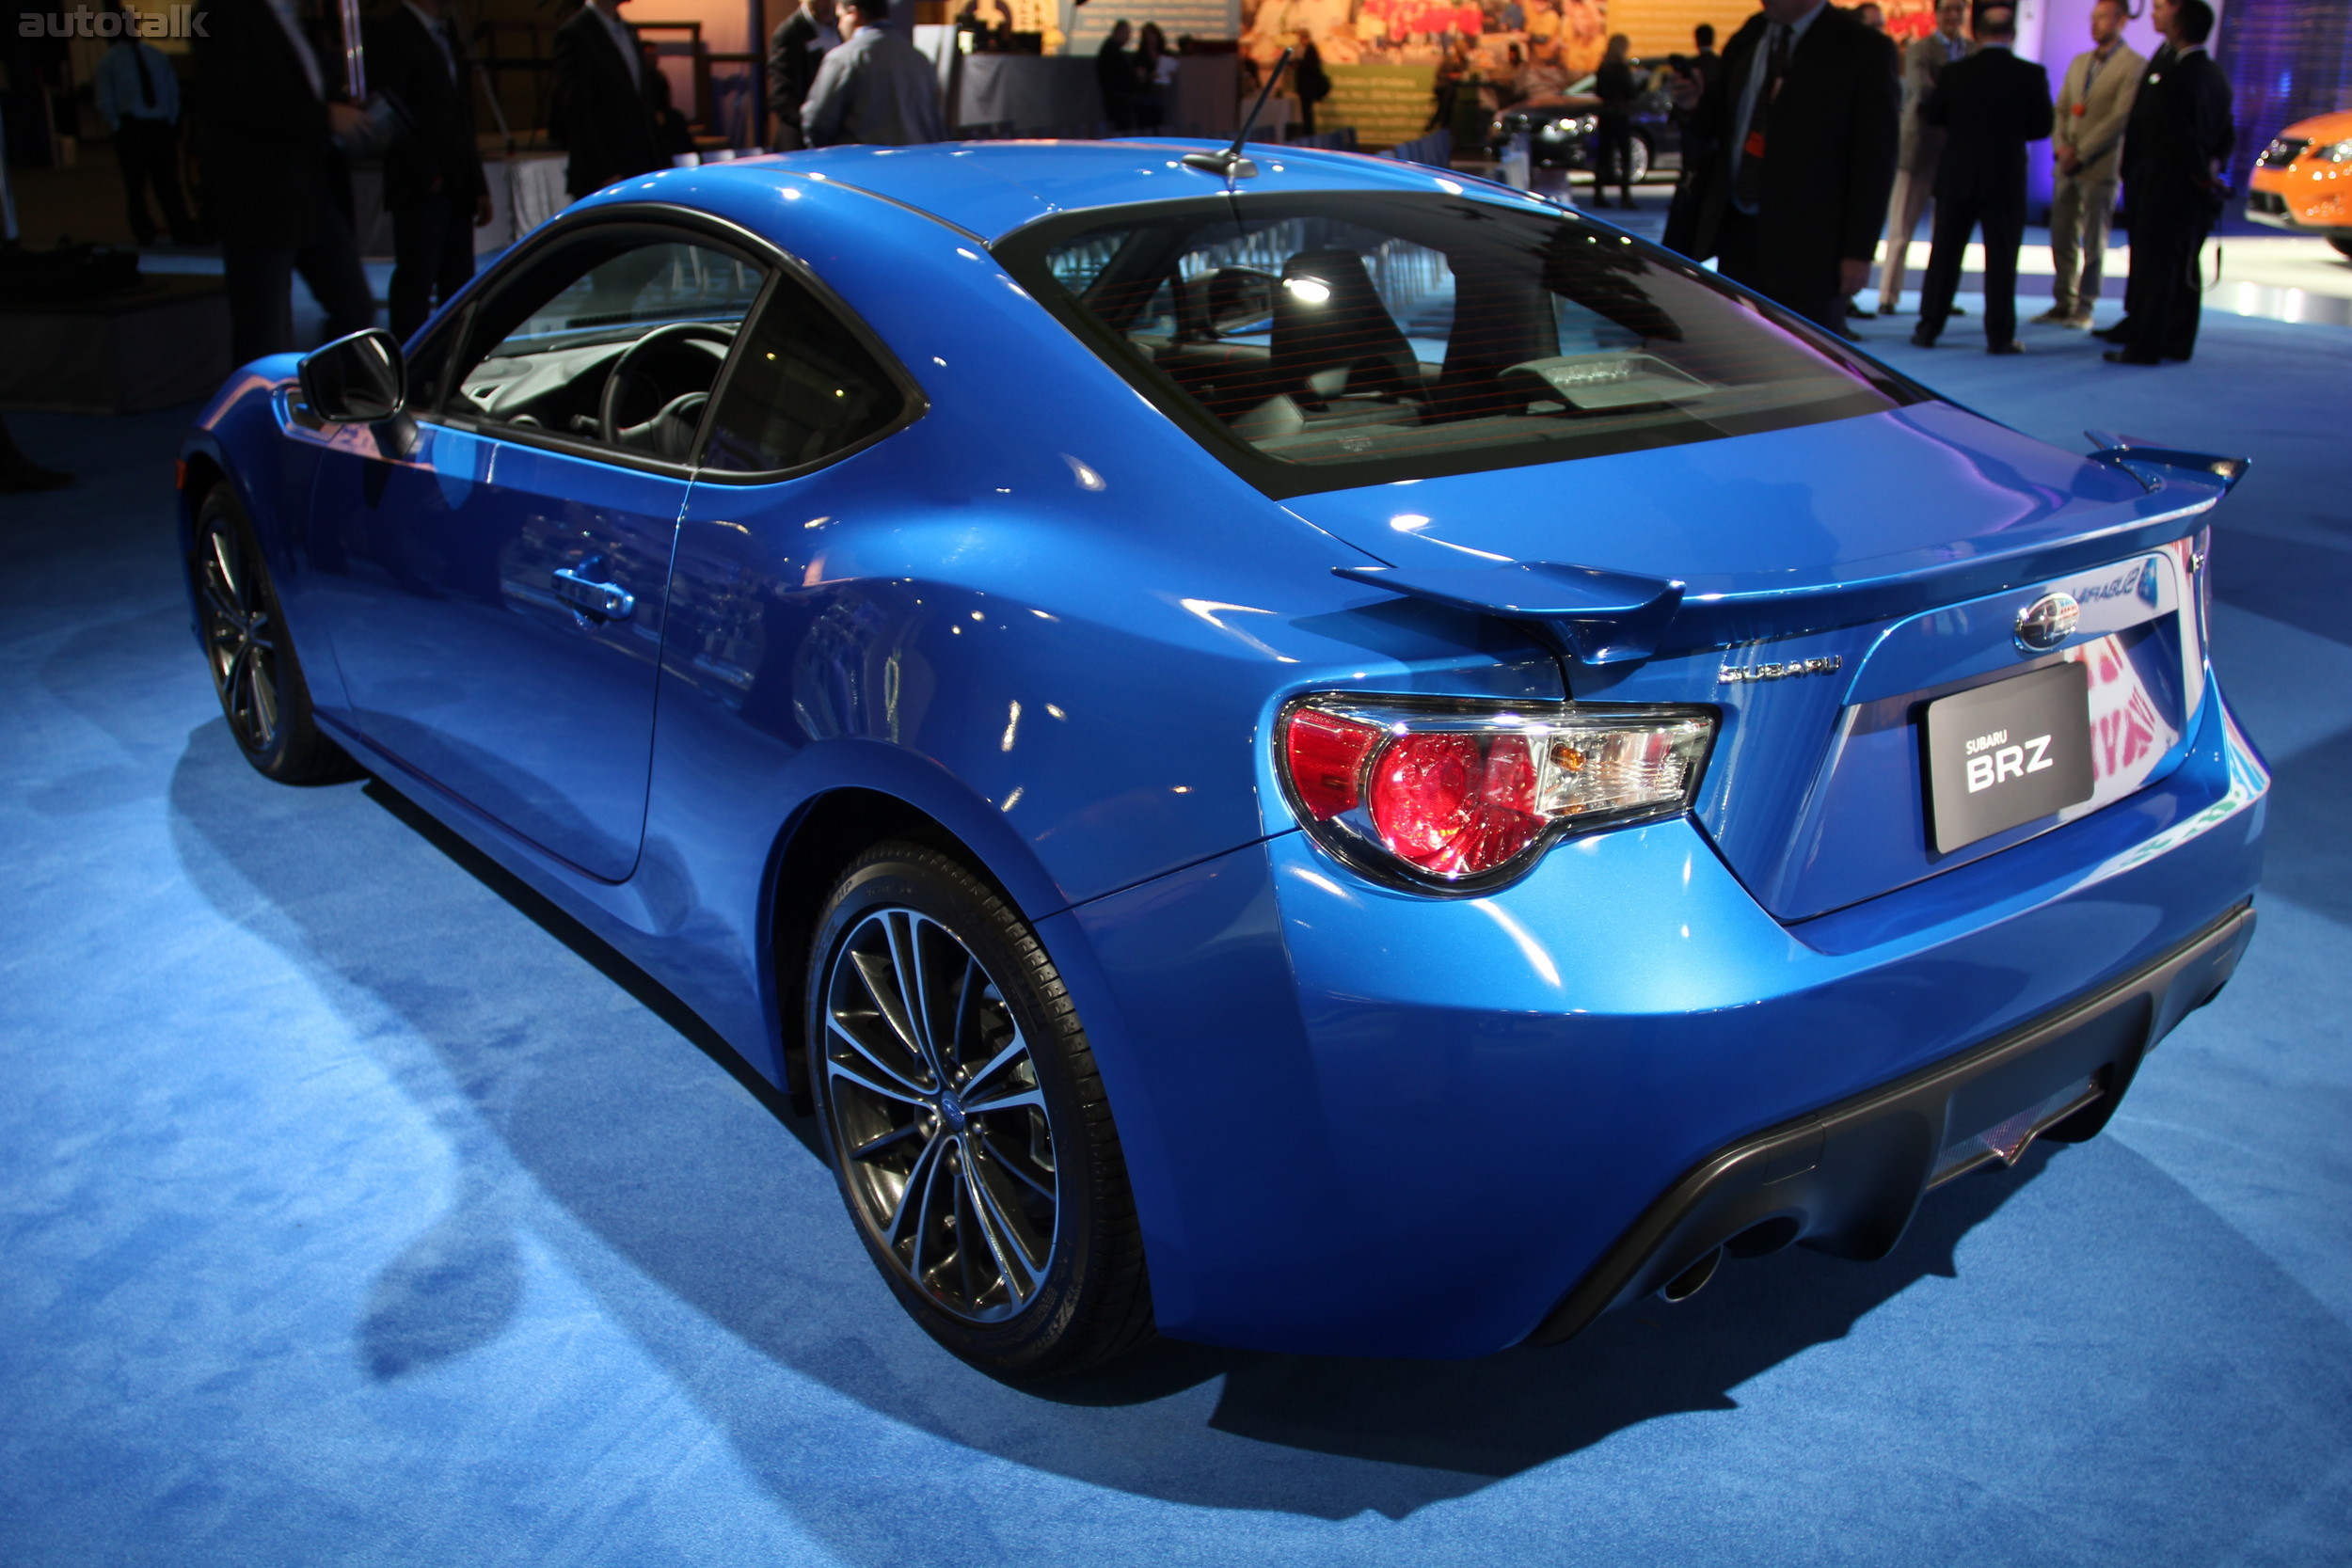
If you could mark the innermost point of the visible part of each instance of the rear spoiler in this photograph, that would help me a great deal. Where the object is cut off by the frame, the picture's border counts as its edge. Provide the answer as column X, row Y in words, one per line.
column 1597, row 616
column 2150, row 464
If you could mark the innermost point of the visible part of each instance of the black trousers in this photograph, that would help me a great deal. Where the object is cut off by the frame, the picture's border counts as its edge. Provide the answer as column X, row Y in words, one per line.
column 147, row 153
column 1956, row 219
column 259, row 280
column 1809, row 292
column 1613, row 155
column 2166, row 301
column 432, row 256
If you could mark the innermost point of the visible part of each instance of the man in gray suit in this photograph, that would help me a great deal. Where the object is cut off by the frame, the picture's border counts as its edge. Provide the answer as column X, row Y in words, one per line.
column 2094, row 103
column 1924, row 61
column 874, row 90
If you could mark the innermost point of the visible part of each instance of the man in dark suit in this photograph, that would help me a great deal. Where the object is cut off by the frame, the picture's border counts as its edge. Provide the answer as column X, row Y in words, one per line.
column 274, row 182
column 604, row 107
column 433, row 182
column 797, row 49
column 1801, row 122
column 1988, row 107
column 2178, row 138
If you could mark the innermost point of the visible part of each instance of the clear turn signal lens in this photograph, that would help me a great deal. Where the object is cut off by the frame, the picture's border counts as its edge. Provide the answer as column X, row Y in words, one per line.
column 1465, row 794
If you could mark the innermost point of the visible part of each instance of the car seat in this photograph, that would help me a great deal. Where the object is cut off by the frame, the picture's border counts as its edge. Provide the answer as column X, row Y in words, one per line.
column 1332, row 335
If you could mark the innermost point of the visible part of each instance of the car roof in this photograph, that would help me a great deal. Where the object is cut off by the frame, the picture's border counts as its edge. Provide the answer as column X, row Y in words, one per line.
column 988, row 189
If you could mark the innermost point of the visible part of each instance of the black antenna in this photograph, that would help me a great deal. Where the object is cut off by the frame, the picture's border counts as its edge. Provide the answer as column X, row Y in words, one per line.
column 1229, row 163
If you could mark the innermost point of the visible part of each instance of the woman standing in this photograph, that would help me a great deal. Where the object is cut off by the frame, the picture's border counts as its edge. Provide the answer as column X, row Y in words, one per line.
column 1617, row 87
column 1155, row 68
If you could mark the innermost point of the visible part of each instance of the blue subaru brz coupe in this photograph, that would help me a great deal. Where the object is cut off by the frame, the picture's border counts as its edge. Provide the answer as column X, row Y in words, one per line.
column 1319, row 756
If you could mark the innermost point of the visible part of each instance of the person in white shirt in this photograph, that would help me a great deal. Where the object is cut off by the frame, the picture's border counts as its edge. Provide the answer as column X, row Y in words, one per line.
column 138, row 98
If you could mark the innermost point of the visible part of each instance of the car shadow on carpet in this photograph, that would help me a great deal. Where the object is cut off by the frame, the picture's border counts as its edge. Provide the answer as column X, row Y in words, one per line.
column 716, row 1196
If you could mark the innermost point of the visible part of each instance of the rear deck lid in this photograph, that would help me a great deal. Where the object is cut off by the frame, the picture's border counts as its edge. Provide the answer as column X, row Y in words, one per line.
column 1833, row 581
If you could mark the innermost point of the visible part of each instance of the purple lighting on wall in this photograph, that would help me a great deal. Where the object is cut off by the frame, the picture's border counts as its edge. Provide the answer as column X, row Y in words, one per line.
column 2287, row 60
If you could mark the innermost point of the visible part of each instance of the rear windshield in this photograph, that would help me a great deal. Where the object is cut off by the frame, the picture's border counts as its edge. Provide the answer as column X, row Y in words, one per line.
column 1332, row 339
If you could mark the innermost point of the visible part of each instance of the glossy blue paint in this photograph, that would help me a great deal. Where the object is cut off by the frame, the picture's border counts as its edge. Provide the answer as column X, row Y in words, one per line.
column 436, row 575
column 1355, row 1119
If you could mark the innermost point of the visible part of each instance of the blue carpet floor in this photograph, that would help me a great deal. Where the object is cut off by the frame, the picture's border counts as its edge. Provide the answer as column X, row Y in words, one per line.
column 356, row 1208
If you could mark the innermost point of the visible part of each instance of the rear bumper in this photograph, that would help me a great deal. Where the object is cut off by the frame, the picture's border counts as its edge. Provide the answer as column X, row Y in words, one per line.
column 1365, row 1122
column 1846, row 1180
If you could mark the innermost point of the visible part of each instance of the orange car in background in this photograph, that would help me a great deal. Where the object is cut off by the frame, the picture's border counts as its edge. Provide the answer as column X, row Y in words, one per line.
column 2303, row 180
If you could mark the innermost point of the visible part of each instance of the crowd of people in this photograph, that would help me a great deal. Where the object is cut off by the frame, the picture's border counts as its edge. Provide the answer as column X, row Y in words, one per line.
column 1813, row 137
column 1807, row 139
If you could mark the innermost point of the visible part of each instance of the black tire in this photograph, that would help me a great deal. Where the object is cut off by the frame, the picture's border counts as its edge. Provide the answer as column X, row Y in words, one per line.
column 256, row 674
column 2343, row 246
column 1033, row 1166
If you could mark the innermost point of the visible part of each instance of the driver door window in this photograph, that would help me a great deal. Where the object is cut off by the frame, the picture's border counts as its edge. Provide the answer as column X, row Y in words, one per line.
column 615, row 341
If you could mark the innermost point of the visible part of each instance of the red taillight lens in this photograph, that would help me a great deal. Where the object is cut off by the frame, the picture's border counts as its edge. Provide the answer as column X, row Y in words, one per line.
column 1327, row 754
column 1455, row 804
column 1461, row 793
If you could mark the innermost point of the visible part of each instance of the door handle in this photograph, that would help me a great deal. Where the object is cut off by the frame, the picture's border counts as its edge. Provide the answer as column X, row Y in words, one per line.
column 608, row 599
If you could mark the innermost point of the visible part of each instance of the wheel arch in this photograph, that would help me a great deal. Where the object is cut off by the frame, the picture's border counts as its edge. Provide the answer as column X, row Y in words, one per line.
column 202, row 467
column 828, row 831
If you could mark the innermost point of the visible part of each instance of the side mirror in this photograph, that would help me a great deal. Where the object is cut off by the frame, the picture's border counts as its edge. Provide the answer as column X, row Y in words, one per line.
column 356, row 380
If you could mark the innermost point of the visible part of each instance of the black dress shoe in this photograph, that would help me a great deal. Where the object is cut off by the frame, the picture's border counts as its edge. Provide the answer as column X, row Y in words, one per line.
column 2115, row 333
column 2013, row 346
column 1921, row 337
column 1956, row 310
column 2125, row 357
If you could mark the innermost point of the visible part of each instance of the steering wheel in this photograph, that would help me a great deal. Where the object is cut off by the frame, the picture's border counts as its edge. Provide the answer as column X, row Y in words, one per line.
column 681, row 412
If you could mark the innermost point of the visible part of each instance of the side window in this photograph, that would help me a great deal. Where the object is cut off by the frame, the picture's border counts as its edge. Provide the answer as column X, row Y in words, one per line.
column 803, row 389
column 615, row 338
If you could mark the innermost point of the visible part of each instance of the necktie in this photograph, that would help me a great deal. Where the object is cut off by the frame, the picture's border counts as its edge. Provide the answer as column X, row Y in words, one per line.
column 1748, row 188
column 147, row 83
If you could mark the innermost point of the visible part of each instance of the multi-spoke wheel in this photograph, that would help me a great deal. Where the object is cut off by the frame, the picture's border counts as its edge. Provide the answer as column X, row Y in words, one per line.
column 966, row 1122
column 254, row 668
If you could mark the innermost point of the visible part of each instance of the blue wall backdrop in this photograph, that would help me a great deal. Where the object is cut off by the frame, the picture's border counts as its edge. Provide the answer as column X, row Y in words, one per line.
column 356, row 1208
column 2287, row 60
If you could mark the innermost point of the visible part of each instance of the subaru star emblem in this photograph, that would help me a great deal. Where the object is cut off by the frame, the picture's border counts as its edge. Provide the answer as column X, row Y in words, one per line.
column 2047, row 622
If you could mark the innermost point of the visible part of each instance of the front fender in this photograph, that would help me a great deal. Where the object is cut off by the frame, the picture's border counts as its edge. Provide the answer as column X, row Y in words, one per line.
column 241, row 435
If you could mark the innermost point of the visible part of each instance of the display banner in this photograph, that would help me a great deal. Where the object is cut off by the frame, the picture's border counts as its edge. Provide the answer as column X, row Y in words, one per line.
column 1381, row 53
column 1562, row 35
column 1386, row 103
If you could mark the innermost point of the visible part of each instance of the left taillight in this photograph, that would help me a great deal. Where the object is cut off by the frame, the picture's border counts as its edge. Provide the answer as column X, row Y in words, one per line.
column 1464, row 794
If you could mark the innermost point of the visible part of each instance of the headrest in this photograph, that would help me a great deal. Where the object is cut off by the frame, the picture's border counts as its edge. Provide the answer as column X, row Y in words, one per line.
column 1328, row 317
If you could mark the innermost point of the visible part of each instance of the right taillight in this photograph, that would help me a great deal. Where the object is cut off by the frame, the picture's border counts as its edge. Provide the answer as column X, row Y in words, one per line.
column 1462, row 795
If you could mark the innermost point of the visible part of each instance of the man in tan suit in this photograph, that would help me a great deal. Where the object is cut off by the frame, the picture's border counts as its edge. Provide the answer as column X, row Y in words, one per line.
column 1924, row 61
column 2094, row 102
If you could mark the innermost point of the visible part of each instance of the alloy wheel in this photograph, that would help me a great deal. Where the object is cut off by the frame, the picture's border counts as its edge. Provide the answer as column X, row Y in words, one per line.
column 937, row 1116
column 240, row 640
